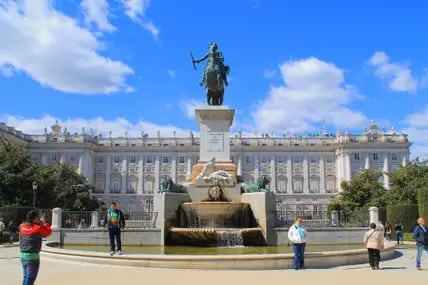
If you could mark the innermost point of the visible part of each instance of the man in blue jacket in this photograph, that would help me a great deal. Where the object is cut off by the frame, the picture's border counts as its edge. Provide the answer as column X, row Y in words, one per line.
column 420, row 234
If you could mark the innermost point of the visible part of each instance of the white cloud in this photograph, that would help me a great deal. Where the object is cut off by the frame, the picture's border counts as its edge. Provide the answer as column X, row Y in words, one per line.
column 312, row 92
column 96, row 13
column 54, row 50
column 398, row 76
column 189, row 106
column 136, row 11
column 417, row 130
column 99, row 124
column 171, row 73
column 424, row 79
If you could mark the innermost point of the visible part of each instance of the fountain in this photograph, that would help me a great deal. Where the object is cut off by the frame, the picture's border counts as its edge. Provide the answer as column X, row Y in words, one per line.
column 212, row 211
column 216, row 224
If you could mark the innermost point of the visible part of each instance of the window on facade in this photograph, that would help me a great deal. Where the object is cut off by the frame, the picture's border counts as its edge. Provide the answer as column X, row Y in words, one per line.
column 329, row 159
column 297, row 159
column 281, row 159
column 100, row 160
column 99, row 186
column 264, row 159
column 281, row 184
column 133, row 159
column 331, row 184
column 356, row 156
column 375, row 156
column 314, row 185
column 298, row 184
column 116, row 159
column 314, row 159
column 181, row 160
column 115, row 186
column 72, row 157
column 149, row 159
column 393, row 156
column 53, row 157
column 55, row 139
column 247, row 159
column 116, row 144
column 165, row 160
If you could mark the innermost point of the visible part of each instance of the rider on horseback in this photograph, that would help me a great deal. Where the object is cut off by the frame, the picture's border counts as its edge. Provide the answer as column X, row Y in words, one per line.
column 215, row 59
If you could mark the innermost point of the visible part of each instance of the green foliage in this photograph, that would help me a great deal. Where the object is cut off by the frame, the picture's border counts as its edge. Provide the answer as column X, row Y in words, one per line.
column 407, row 214
column 58, row 185
column 423, row 201
column 364, row 190
column 406, row 181
column 16, row 175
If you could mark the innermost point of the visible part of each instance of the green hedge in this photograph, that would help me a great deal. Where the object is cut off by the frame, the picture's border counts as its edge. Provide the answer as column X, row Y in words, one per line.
column 407, row 214
column 423, row 202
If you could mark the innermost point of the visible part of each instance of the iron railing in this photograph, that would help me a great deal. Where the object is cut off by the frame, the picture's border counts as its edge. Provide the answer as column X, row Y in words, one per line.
column 323, row 218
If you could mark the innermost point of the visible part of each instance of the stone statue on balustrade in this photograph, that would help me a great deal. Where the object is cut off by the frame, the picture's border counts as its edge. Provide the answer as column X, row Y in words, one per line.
column 215, row 73
column 259, row 186
column 167, row 185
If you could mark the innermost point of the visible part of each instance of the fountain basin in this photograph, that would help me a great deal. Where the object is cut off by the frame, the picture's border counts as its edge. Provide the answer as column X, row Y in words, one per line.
column 231, row 262
column 217, row 236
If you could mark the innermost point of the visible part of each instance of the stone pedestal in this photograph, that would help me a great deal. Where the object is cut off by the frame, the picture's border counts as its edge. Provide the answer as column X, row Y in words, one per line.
column 214, row 123
column 56, row 218
column 263, row 205
column 374, row 215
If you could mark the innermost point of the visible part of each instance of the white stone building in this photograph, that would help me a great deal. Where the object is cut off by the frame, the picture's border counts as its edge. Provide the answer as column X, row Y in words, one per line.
column 305, row 172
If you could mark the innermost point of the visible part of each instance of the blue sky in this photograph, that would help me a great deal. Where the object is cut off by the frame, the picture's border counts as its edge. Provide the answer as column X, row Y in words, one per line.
column 124, row 65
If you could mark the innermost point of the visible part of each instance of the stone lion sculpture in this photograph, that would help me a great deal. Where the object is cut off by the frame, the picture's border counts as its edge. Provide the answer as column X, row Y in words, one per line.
column 167, row 185
column 259, row 186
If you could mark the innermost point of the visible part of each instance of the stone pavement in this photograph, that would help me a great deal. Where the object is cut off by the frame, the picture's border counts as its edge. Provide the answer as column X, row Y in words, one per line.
column 400, row 270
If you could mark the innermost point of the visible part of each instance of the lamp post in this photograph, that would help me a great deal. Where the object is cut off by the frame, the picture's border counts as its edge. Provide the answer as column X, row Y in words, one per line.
column 34, row 193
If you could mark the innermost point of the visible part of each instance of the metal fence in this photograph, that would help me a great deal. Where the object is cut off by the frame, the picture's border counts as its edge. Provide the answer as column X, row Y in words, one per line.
column 80, row 219
column 315, row 219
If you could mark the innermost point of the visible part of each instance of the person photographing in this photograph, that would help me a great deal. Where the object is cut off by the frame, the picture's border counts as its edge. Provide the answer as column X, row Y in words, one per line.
column 31, row 233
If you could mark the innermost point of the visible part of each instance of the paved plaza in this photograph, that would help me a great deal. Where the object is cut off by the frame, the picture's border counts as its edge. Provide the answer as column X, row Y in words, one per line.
column 400, row 270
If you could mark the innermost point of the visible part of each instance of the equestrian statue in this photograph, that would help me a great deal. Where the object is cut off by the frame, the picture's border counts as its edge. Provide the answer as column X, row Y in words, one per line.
column 214, row 77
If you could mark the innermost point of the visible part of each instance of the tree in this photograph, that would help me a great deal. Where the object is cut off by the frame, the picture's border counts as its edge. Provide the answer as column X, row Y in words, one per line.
column 406, row 181
column 363, row 190
column 59, row 185
column 16, row 175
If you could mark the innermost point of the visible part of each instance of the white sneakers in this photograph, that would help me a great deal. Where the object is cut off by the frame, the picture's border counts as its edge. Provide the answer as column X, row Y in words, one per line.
column 119, row 252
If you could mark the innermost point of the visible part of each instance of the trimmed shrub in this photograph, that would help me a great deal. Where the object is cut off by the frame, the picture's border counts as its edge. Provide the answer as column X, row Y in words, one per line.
column 407, row 214
column 423, row 202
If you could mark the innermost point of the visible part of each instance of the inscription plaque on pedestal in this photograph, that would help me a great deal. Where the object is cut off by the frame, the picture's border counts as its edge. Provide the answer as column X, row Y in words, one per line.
column 215, row 141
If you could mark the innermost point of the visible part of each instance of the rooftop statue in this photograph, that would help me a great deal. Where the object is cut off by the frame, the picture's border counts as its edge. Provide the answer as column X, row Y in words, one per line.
column 215, row 73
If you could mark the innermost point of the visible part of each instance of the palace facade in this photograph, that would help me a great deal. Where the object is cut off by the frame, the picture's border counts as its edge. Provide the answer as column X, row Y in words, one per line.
column 305, row 172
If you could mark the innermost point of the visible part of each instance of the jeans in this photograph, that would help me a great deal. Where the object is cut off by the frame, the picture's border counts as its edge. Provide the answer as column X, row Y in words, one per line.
column 419, row 249
column 374, row 257
column 388, row 237
column 399, row 236
column 114, row 233
column 30, row 269
column 299, row 255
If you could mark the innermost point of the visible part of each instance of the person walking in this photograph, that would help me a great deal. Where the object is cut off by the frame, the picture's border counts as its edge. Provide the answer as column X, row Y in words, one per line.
column 420, row 235
column 388, row 231
column 114, row 221
column 373, row 240
column 30, row 243
column 398, row 228
column 298, row 236
column 12, row 228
